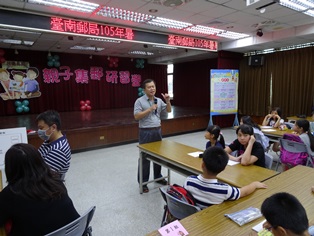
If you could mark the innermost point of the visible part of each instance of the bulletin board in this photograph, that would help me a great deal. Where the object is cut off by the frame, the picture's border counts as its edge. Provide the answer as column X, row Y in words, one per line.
column 224, row 93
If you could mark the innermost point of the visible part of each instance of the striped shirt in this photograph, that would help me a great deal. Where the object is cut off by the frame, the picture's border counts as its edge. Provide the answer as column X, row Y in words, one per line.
column 209, row 191
column 57, row 154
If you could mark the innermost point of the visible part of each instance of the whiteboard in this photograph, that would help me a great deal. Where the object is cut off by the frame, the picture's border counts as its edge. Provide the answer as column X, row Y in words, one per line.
column 8, row 137
column 224, row 91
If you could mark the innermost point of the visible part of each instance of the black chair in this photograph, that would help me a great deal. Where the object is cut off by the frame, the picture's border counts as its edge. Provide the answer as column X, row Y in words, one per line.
column 78, row 227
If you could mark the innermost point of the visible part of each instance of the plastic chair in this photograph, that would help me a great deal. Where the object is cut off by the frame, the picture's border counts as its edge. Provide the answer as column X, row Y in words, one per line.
column 178, row 209
column 268, row 161
column 259, row 139
column 78, row 227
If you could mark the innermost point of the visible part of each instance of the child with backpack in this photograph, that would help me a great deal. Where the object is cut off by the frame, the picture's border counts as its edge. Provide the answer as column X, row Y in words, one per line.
column 205, row 187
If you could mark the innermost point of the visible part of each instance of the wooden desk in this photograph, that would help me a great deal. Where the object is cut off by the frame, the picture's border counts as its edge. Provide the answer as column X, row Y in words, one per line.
column 294, row 118
column 274, row 134
column 175, row 157
column 211, row 221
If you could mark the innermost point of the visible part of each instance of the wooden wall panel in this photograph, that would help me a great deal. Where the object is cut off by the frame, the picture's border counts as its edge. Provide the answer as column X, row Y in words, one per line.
column 100, row 137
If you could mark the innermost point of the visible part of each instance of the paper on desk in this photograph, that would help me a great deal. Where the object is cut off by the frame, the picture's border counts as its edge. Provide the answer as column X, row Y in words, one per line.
column 269, row 130
column 174, row 228
column 232, row 163
column 259, row 227
column 195, row 154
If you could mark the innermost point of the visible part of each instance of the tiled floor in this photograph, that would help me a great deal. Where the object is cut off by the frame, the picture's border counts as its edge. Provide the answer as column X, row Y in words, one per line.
column 107, row 179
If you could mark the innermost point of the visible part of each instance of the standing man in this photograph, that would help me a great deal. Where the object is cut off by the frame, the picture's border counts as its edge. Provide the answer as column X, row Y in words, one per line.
column 55, row 149
column 147, row 111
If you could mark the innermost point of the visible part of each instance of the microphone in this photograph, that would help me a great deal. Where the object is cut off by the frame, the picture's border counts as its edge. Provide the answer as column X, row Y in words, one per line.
column 155, row 102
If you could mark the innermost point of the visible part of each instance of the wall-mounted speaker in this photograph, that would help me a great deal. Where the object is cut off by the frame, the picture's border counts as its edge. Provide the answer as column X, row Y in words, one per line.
column 256, row 60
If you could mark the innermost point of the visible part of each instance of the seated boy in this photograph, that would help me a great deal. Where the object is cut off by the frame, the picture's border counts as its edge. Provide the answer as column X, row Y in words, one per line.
column 205, row 187
column 285, row 215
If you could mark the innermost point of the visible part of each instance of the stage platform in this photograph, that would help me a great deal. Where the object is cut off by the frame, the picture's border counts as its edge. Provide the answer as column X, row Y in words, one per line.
column 88, row 130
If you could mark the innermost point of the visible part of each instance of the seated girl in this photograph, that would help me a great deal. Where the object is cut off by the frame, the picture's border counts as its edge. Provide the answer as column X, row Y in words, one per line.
column 274, row 118
column 302, row 128
column 214, row 136
column 35, row 200
column 248, row 151
column 256, row 129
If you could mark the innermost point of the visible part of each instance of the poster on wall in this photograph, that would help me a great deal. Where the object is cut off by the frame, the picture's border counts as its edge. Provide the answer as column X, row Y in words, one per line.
column 18, row 83
column 224, row 93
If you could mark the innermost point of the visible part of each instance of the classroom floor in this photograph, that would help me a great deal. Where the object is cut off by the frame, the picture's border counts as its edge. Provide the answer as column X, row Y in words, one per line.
column 107, row 178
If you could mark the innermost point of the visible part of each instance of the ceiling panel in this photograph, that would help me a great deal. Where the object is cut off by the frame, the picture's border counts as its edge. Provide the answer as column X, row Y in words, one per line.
column 281, row 26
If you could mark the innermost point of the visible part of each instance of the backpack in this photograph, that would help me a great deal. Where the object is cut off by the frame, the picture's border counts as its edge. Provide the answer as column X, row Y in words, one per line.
column 289, row 158
column 181, row 193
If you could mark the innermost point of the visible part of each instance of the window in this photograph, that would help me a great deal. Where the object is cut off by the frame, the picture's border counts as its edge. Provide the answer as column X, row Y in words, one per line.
column 170, row 80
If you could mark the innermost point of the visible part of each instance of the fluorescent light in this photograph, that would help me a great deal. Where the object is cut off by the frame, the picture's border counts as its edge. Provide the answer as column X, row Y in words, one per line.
column 168, row 23
column 96, row 49
column 16, row 41
column 304, row 6
column 141, row 53
column 104, row 40
column 216, row 32
column 285, row 48
column 19, row 31
column 121, row 14
column 163, row 46
column 75, row 5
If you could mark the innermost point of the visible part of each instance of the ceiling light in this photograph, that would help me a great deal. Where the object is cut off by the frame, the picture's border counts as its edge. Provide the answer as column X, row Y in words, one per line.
column 124, row 14
column 16, row 41
column 104, row 40
column 19, row 31
column 216, row 32
column 141, row 53
column 87, row 48
column 304, row 6
column 162, row 46
column 168, row 23
column 75, row 5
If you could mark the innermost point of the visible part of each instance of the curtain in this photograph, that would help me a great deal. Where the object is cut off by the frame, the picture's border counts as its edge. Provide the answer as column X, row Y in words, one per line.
column 292, row 83
column 254, row 86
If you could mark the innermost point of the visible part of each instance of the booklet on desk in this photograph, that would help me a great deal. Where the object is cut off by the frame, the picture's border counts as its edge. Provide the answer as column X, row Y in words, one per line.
column 245, row 216
column 174, row 228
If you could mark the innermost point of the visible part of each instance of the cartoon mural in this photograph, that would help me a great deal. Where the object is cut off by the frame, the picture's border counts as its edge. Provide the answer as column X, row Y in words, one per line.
column 21, row 85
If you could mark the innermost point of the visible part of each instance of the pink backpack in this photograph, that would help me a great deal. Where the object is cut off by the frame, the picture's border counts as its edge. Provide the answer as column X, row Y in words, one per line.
column 290, row 158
